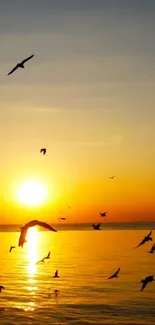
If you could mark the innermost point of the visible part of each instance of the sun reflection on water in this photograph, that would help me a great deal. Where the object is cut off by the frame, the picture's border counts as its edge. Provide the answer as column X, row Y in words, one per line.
column 32, row 238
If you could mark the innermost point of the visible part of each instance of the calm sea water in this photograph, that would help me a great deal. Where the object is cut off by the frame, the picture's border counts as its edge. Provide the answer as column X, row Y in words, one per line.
column 85, row 259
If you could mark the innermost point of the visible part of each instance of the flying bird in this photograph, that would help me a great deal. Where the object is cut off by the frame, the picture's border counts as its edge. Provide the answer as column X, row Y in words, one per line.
column 145, row 281
column 43, row 150
column 56, row 274
column 48, row 256
column 112, row 177
column 115, row 275
column 152, row 249
column 32, row 223
column 11, row 247
column 1, row 287
column 103, row 214
column 61, row 219
column 97, row 227
column 145, row 239
column 21, row 64
column 40, row 261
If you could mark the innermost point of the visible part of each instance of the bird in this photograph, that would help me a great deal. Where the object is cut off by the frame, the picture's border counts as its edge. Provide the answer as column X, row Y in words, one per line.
column 97, row 227
column 103, row 214
column 32, row 223
column 11, row 247
column 115, row 275
column 48, row 256
column 152, row 249
column 21, row 64
column 112, row 177
column 1, row 287
column 61, row 219
column 56, row 274
column 43, row 150
column 145, row 281
column 145, row 239
column 40, row 261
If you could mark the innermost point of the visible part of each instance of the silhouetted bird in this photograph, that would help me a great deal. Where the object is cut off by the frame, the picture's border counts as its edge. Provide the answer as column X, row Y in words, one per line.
column 97, row 227
column 43, row 150
column 11, row 247
column 56, row 274
column 32, row 223
column 147, row 238
column 1, row 287
column 40, row 261
column 115, row 275
column 148, row 279
column 20, row 65
column 112, row 177
column 61, row 219
column 152, row 249
column 48, row 256
column 103, row 214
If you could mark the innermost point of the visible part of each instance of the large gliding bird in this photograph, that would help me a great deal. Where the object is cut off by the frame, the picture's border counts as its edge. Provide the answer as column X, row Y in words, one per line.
column 145, row 239
column 21, row 64
column 32, row 223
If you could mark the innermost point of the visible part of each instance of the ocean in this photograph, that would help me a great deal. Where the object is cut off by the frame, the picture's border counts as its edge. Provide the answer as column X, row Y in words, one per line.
column 84, row 258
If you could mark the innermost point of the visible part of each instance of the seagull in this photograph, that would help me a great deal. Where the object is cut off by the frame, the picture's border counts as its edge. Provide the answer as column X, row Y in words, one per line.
column 97, row 227
column 115, row 275
column 11, row 247
column 21, row 64
column 1, row 287
column 112, row 177
column 147, row 238
column 145, row 281
column 103, row 214
column 40, row 261
column 32, row 223
column 152, row 249
column 43, row 150
column 56, row 274
column 48, row 256
column 61, row 219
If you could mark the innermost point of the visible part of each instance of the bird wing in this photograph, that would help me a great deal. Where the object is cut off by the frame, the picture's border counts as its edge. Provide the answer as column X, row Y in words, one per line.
column 56, row 273
column 45, row 225
column 149, row 234
column 143, row 285
column 48, row 256
column 30, row 57
column 117, row 272
column 111, row 277
column 141, row 243
column 15, row 68
column 31, row 223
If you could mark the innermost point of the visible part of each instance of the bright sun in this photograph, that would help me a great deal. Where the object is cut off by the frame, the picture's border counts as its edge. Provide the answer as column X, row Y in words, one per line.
column 32, row 193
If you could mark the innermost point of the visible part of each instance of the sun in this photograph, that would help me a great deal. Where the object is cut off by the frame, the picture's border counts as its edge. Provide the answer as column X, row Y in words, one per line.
column 32, row 193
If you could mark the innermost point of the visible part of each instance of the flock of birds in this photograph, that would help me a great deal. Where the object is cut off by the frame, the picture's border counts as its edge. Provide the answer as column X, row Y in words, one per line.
column 32, row 223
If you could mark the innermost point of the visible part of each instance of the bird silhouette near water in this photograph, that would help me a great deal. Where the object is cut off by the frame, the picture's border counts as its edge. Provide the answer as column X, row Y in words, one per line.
column 152, row 249
column 21, row 64
column 32, row 223
column 145, row 281
column 115, row 275
column 97, row 227
column 145, row 239
column 112, row 177
column 56, row 274
column 1, row 288
column 11, row 247
column 103, row 214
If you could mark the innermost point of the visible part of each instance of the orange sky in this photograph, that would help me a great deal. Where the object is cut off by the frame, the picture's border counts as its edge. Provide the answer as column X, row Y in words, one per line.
column 88, row 97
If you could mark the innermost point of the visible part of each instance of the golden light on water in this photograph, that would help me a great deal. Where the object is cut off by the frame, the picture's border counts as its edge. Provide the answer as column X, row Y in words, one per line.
column 32, row 238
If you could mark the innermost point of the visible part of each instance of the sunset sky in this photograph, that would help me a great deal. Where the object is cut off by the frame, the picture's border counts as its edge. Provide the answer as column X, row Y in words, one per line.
column 88, row 96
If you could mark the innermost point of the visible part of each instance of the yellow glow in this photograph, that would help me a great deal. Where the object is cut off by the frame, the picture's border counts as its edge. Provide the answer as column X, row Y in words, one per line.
column 32, row 238
column 32, row 193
